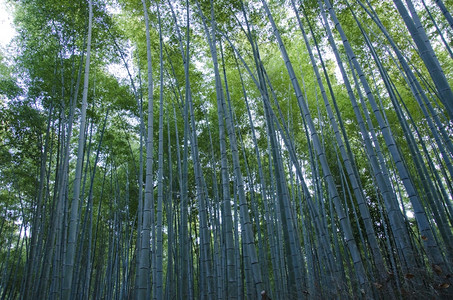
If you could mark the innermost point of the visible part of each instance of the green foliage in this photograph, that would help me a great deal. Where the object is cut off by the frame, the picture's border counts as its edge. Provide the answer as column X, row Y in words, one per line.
column 294, row 189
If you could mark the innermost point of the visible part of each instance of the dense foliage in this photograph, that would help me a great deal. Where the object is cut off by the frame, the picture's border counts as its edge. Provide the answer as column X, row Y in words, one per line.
column 227, row 149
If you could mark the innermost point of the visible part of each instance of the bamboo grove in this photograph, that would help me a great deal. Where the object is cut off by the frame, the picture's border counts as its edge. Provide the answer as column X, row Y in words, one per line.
column 227, row 149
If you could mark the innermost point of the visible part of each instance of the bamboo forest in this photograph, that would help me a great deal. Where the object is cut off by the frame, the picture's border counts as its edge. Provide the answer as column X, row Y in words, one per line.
column 227, row 149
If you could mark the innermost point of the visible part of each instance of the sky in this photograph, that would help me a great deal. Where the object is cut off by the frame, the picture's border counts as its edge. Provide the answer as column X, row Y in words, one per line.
column 7, row 31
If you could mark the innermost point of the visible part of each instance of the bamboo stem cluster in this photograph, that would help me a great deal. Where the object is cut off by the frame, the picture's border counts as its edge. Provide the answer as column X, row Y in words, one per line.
column 269, row 175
